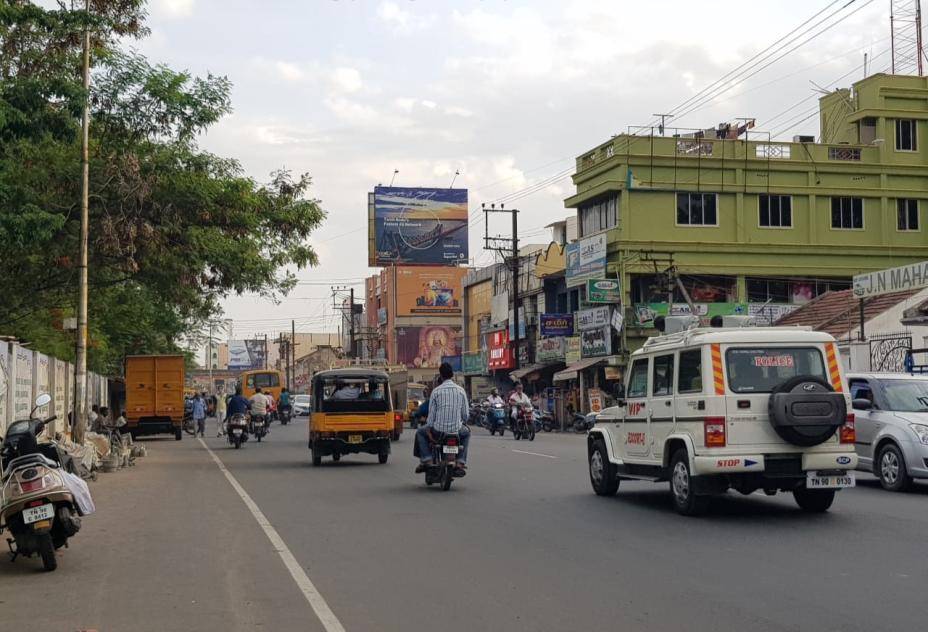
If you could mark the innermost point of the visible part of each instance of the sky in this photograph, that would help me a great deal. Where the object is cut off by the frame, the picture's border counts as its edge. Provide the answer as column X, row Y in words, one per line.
column 507, row 92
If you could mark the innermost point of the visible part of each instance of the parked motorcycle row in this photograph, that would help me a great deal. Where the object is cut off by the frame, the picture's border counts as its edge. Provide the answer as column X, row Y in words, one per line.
column 42, row 503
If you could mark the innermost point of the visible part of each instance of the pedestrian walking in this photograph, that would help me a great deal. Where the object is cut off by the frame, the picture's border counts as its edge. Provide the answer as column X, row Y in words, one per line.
column 221, row 415
column 198, row 411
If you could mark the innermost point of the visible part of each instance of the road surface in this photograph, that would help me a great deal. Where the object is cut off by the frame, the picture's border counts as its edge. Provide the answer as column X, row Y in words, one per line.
column 521, row 543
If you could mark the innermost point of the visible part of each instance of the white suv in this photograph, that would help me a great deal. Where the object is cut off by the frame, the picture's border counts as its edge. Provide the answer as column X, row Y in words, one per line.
column 733, row 408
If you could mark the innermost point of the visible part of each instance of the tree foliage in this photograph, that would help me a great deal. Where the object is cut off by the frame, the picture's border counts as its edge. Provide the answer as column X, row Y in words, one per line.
column 173, row 228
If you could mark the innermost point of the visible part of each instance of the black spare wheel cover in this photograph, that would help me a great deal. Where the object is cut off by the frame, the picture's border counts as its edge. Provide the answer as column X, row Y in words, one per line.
column 806, row 411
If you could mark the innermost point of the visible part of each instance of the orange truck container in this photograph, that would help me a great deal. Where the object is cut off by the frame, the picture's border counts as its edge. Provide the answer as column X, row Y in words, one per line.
column 155, row 395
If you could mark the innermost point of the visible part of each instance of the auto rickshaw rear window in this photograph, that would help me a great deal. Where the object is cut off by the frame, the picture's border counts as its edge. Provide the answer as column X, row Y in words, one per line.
column 342, row 394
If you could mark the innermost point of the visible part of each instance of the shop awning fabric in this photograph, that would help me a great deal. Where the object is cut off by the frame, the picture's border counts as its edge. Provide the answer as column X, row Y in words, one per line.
column 570, row 372
column 519, row 374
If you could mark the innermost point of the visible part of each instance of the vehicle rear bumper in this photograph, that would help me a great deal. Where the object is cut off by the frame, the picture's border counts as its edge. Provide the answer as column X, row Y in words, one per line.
column 326, row 446
column 770, row 465
column 153, row 425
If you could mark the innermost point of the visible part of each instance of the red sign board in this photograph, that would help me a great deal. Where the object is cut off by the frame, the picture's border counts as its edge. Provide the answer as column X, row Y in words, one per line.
column 499, row 353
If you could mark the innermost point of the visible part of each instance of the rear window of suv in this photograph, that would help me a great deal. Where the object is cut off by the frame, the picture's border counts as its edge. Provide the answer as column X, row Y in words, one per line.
column 760, row 369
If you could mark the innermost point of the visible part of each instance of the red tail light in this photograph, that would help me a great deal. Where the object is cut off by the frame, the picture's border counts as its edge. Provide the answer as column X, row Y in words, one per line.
column 31, row 486
column 452, row 441
column 848, row 432
column 397, row 418
column 714, row 428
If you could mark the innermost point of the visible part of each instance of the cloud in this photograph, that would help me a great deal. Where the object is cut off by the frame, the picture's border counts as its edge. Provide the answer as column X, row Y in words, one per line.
column 289, row 71
column 173, row 8
column 403, row 21
column 346, row 80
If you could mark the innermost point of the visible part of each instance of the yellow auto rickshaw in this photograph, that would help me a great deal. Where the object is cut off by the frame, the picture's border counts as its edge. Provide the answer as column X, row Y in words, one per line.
column 351, row 413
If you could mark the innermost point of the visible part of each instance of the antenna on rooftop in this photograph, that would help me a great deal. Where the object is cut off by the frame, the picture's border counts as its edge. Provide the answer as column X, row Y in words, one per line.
column 905, row 26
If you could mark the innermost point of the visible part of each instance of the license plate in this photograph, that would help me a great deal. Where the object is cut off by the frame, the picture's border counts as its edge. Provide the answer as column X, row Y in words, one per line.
column 236, row 431
column 832, row 481
column 42, row 512
column 450, row 449
column 355, row 438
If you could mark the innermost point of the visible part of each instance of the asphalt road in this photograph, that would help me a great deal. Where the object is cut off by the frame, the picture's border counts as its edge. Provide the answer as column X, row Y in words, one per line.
column 521, row 543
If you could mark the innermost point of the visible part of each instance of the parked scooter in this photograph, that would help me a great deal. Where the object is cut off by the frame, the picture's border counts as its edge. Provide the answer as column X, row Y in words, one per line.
column 39, row 504
column 524, row 427
column 237, row 430
column 547, row 421
column 496, row 419
column 583, row 423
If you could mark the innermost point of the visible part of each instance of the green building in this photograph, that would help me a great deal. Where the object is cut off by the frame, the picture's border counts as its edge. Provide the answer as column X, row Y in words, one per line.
column 754, row 225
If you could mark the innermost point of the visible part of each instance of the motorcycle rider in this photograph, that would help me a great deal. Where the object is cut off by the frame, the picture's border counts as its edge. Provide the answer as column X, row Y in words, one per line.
column 494, row 398
column 517, row 398
column 259, row 404
column 283, row 404
column 448, row 412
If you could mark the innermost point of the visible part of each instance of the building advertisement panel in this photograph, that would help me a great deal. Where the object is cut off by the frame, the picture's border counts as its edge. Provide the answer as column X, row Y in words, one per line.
column 551, row 349
column 429, row 290
column 419, row 226
column 512, row 327
column 596, row 342
column 593, row 318
column 474, row 363
column 22, row 385
column 586, row 259
column 603, row 291
column 572, row 349
column 245, row 355
column 557, row 324
column 769, row 313
column 499, row 353
column 645, row 313
column 423, row 347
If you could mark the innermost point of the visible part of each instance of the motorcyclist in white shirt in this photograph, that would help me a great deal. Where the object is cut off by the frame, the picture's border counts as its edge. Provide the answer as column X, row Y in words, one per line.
column 516, row 399
column 493, row 398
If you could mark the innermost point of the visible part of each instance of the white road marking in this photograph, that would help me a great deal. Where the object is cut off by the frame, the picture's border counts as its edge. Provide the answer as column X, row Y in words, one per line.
column 547, row 456
column 328, row 619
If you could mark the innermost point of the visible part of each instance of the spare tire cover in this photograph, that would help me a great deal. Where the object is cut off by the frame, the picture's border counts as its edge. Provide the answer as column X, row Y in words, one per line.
column 805, row 410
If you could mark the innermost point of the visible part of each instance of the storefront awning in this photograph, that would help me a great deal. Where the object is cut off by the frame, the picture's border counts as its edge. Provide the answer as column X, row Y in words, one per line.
column 520, row 374
column 570, row 373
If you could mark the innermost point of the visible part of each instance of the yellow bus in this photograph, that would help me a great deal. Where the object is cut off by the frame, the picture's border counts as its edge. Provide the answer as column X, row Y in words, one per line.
column 269, row 381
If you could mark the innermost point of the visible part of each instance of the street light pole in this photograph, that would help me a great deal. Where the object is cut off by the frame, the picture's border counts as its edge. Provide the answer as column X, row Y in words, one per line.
column 80, row 360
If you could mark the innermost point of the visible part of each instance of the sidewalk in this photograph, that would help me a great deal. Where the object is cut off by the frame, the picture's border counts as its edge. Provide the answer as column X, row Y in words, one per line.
column 171, row 547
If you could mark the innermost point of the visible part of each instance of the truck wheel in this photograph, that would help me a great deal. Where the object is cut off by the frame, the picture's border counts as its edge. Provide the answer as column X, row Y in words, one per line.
column 47, row 551
column 336, row 457
column 814, row 500
column 685, row 500
column 891, row 470
column 383, row 457
column 602, row 471
column 317, row 459
column 178, row 434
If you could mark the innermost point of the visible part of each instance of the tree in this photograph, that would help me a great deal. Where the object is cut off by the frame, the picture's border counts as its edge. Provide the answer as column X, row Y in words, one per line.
column 173, row 228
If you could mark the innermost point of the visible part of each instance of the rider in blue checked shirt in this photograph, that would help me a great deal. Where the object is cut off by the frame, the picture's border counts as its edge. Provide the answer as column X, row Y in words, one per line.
column 448, row 411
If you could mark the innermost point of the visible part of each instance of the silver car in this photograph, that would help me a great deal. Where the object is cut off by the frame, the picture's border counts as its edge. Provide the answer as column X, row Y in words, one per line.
column 891, row 412
column 300, row 405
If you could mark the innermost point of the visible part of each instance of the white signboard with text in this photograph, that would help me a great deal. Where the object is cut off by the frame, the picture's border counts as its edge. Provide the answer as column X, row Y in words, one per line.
column 910, row 277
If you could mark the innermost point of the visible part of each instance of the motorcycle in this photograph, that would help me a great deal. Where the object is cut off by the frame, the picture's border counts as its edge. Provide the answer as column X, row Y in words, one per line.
column 547, row 421
column 42, row 504
column 237, row 430
column 496, row 419
column 477, row 415
column 441, row 470
column 259, row 426
column 583, row 423
column 524, row 427
column 285, row 414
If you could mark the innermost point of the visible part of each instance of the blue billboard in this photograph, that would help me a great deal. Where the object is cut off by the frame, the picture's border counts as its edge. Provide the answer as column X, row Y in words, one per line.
column 417, row 226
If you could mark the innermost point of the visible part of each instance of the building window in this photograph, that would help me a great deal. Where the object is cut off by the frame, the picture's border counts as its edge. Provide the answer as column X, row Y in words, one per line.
column 598, row 216
column 696, row 209
column 847, row 213
column 907, row 214
column 776, row 211
column 792, row 291
column 906, row 135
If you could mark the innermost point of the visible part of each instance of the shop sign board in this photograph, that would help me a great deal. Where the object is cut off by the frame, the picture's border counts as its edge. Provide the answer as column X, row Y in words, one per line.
column 557, row 324
column 596, row 342
column 603, row 291
column 596, row 400
column 645, row 313
column 572, row 349
column 593, row 318
column 586, row 259
column 454, row 361
column 551, row 349
column 910, row 277
column 474, row 363
column 499, row 353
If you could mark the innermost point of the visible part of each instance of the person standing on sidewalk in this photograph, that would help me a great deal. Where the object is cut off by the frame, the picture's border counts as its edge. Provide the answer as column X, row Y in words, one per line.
column 198, row 411
column 220, row 414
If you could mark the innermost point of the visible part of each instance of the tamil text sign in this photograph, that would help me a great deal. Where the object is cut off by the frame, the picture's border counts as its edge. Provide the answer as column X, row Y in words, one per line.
column 910, row 277
column 551, row 349
column 593, row 318
column 646, row 313
column 603, row 291
column 419, row 226
column 586, row 259
column 596, row 342
column 557, row 324
column 572, row 350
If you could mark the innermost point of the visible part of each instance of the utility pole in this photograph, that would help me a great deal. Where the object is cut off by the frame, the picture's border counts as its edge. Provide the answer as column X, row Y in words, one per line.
column 663, row 117
column 80, row 359
column 292, row 371
column 353, row 352
column 265, row 351
column 209, row 355
column 496, row 243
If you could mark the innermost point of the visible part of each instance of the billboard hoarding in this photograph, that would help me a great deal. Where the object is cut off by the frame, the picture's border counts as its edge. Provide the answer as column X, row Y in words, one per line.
column 419, row 226
column 474, row 363
column 551, row 349
column 596, row 342
column 246, row 355
column 432, row 290
column 455, row 362
column 901, row 279
column 603, row 291
column 556, row 324
column 586, row 259
column 423, row 347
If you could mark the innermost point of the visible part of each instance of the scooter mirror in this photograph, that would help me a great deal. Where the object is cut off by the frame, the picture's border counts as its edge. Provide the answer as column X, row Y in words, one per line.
column 43, row 400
